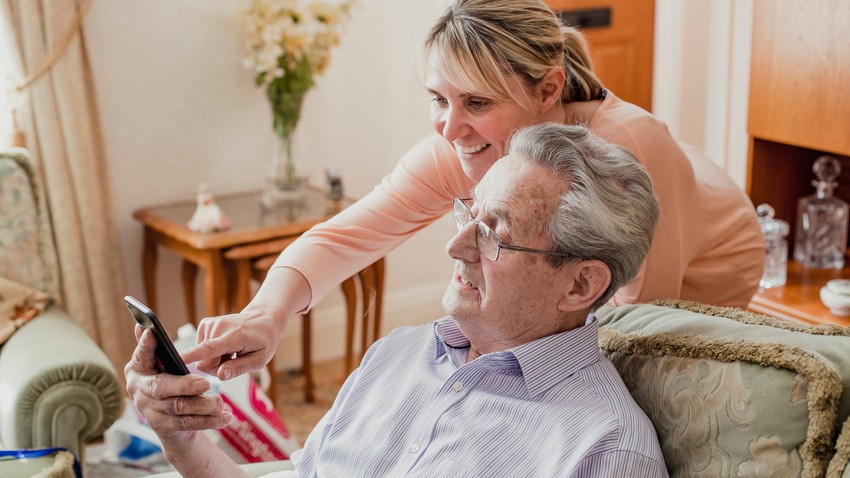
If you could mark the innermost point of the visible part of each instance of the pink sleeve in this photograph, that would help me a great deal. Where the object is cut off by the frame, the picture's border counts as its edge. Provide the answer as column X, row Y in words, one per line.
column 650, row 142
column 707, row 245
column 418, row 191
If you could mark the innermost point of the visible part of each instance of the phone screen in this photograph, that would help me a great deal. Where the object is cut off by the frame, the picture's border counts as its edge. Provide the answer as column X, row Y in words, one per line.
column 165, row 350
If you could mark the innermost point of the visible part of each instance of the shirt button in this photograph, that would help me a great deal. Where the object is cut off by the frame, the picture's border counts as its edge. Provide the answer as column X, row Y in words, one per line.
column 414, row 448
column 458, row 386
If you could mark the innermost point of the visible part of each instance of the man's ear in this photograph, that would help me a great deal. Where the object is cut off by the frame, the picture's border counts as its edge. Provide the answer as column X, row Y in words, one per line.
column 588, row 281
column 550, row 87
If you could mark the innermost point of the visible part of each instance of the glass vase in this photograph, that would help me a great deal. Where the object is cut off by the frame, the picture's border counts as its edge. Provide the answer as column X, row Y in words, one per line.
column 285, row 186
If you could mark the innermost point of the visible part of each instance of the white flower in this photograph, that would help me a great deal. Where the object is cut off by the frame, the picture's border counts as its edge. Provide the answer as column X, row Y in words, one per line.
column 283, row 32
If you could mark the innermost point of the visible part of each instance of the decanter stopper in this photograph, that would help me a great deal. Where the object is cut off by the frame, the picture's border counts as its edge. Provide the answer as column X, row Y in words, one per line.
column 821, row 236
column 826, row 169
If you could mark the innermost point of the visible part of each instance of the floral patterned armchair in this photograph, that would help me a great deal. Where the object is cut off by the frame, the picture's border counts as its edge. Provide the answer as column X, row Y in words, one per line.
column 57, row 388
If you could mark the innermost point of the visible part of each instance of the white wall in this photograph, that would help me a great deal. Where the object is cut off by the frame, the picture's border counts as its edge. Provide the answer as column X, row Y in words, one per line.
column 177, row 109
column 701, row 76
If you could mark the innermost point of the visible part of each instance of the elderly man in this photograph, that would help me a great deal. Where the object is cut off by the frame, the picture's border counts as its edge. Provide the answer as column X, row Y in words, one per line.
column 511, row 383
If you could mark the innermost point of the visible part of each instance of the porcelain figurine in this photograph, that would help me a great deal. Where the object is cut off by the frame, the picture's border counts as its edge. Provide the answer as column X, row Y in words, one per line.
column 208, row 217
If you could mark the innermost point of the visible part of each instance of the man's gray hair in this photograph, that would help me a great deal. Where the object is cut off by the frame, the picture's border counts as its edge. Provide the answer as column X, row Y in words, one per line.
column 609, row 210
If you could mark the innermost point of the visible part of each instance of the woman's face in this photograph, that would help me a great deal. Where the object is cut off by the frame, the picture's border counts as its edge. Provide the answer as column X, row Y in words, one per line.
column 478, row 126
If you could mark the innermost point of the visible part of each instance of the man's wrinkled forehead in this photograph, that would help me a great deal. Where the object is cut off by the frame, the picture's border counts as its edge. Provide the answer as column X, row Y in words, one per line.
column 517, row 188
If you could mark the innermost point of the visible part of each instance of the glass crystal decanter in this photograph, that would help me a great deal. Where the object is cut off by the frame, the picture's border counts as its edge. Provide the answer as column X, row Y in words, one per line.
column 821, row 237
column 775, row 233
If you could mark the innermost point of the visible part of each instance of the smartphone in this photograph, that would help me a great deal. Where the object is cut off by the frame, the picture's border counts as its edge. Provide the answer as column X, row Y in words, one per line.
column 165, row 351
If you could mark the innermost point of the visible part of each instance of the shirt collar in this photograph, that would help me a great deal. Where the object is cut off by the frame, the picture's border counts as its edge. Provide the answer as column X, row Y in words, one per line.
column 542, row 362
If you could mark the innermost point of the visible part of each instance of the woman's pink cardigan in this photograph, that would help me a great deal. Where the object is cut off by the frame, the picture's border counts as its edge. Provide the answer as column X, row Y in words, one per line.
column 708, row 245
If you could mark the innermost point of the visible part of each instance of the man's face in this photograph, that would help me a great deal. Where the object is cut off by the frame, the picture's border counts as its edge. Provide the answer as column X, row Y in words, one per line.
column 514, row 299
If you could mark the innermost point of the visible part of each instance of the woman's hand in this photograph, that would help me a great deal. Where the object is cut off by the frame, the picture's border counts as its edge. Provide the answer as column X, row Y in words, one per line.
column 252, row 337
column 230, row 345
column 174, row 406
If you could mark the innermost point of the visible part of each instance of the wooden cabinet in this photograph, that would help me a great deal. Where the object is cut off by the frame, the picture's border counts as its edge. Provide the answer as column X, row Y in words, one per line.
column 620, row 34
column 799, row 109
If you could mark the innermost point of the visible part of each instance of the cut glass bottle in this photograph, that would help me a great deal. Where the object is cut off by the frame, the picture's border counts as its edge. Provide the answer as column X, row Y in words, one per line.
column 821, row 237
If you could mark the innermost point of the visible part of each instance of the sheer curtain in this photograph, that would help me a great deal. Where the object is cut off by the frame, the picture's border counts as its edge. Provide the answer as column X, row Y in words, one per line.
column 58, row 115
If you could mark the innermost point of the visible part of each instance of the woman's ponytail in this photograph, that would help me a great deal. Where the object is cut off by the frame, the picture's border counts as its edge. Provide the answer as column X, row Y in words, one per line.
column 582, row 83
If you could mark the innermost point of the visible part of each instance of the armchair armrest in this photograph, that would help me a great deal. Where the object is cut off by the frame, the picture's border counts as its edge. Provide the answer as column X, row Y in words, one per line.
column 57, row 388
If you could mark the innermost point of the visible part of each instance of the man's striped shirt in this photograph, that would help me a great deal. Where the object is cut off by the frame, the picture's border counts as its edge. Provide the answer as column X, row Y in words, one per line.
column 548, row 408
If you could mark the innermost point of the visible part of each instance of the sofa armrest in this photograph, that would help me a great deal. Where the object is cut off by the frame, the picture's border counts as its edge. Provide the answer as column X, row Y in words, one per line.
column 57, row 388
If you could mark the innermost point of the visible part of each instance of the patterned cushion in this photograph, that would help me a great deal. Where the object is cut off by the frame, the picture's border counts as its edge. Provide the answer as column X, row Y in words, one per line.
column 26, row 254
column 732, row 393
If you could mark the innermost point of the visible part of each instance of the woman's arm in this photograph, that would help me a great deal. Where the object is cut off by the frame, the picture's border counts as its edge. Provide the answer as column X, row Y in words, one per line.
column 415, row 194
column 418, row 191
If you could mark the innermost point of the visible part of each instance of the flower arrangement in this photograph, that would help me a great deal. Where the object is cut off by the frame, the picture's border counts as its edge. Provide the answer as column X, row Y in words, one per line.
column 288, row 44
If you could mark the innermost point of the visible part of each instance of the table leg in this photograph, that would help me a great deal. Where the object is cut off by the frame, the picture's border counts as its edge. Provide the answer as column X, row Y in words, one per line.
column 214, row 283
column 150, row 255
column 307, row 355
column 350, row 292
column 273, row 382
column 379, row 298
column 189, row 274
column 242, row 288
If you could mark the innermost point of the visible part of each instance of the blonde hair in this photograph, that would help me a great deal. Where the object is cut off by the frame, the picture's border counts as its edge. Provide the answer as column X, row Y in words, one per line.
column 480, row 42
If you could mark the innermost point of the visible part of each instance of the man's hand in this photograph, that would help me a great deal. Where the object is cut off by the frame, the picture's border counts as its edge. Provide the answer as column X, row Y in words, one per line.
column 231, row 345
column 174, row 406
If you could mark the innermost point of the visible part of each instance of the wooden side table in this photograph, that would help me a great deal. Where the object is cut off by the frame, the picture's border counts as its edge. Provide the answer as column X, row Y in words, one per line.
column 799, row 299
column 165, row 226
column 254, row 233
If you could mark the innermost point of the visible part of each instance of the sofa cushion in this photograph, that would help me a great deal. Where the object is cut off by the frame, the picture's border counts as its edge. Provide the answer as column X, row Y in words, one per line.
column 732, row 393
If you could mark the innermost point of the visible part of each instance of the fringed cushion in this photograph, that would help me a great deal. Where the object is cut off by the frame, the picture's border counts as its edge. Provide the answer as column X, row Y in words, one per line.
column 838, row 466
column 731, row 393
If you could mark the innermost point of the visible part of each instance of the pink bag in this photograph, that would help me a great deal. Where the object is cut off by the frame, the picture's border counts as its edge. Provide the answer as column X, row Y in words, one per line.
column 256, row 433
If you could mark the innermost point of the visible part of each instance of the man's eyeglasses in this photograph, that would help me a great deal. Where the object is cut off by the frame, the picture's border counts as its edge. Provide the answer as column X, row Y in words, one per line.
column 489, row 243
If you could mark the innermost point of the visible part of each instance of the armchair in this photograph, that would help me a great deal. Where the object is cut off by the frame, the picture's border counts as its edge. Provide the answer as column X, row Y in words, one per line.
column 57, row 388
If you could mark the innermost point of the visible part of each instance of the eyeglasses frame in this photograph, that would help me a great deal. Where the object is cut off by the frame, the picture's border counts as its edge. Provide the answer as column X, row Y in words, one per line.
column 499, row 243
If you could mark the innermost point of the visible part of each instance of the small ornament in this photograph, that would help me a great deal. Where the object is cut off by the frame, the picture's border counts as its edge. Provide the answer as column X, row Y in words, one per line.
column 835, row 295
column 334, row 192
column 208, row 217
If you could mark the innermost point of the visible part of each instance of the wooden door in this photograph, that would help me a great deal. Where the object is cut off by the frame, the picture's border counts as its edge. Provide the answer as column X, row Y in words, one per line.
column 620, row 33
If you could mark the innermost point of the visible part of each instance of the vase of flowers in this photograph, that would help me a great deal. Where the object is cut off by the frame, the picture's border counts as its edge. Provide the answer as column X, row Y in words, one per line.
column 288, row 45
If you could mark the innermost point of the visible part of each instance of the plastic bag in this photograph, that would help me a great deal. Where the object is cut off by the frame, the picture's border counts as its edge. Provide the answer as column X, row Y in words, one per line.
column 131, row 441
